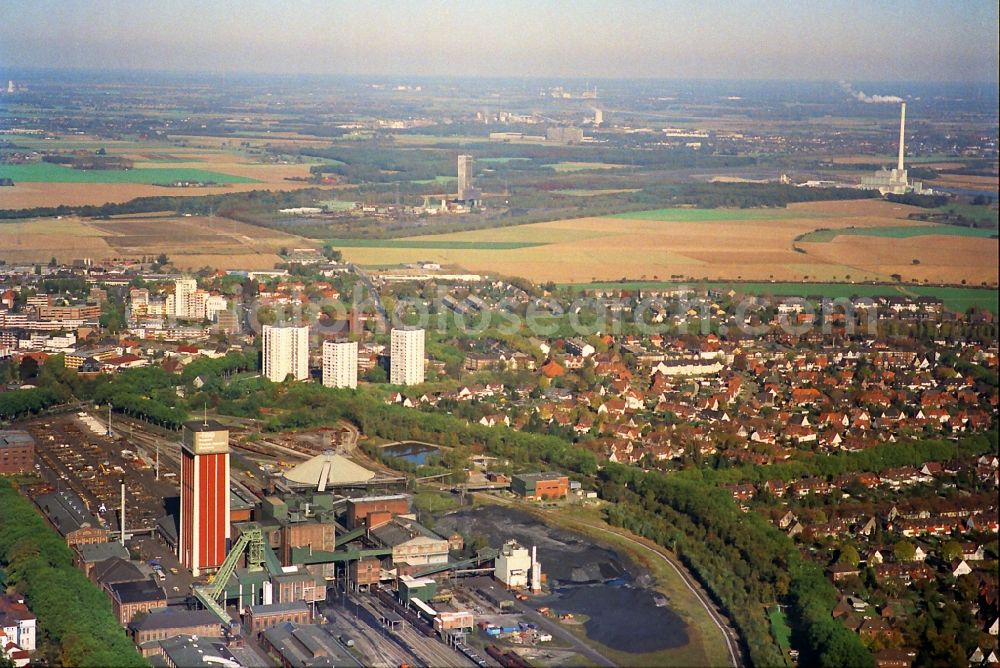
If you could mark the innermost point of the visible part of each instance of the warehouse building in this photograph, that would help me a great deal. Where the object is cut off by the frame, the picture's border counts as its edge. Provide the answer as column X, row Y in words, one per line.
column 17, row 452
column 539, row 486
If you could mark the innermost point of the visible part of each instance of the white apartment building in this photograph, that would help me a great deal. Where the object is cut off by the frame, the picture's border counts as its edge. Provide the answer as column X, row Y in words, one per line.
column 286, row 351
column 184, row 289
column 340, row 364
column 406, row 357
column 215, row 304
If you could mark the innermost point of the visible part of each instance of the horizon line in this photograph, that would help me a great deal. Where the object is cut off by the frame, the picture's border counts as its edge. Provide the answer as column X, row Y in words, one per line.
column 485, row 77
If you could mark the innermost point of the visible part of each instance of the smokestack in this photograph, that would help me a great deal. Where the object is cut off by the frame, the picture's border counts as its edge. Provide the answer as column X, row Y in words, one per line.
column 122, row 527
column 902, row 134
column 536, row 571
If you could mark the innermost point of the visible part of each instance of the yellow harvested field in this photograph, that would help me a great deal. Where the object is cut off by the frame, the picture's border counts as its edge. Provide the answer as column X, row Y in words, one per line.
column 988, row 183
column 190, row 242
column 942, row 259
column 584, row 249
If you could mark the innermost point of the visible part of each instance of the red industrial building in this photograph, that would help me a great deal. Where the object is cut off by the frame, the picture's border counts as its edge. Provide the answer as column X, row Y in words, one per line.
column 375, row 511
column 17, row 452
column 204, row 495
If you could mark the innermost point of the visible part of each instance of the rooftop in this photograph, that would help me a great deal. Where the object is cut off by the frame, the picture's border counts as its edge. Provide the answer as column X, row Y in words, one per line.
column 174, row 618
column 328, row 470
column 15, row 438
column 205, row 425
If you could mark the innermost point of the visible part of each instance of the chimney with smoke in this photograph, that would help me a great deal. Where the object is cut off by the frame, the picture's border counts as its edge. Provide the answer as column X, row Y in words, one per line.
column 902, row 133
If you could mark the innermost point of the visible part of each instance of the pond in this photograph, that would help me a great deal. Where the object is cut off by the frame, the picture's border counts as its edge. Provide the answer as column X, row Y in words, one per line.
column 410, row 451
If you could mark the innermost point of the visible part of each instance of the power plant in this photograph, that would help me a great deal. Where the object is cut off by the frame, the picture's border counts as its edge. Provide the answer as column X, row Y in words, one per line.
column 895, row 182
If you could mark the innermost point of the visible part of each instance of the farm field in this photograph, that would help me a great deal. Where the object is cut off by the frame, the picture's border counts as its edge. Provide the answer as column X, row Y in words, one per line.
column 190, row 242
column 583, row 166
column 689, row 215
column 432, row 242
column 584, row 192
column 741, row 244
column 210, row 159
column 901, row 232
column 43, row 172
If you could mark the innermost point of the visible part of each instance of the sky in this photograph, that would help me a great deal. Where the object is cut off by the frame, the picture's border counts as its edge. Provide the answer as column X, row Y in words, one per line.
column 858, row 40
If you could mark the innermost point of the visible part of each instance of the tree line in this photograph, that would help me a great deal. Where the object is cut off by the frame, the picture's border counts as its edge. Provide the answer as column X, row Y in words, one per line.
column 75, row 621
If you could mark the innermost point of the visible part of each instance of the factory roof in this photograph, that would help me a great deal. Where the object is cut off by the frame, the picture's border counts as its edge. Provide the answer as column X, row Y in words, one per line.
column 66, row 510
column 15, row 438
column 302, row 645
column 137, row 591
column 117, row 570
column 193, row 651
column 535, row 477
column 278, row 608
column 328, row 470
column 400, row 531
column 95, row 552
column 174, row 618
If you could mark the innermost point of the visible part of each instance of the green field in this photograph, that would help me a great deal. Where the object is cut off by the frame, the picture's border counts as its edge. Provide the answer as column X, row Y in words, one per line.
column 583, row 192
column 438, row 180
column 500, row 160
column 899, row 232
column 702, row 215
column 989, row 215
column 955, row 298
column 432, row 244
column 583, row 166
column 779, row 628
column 44, row 172
column 337, row 205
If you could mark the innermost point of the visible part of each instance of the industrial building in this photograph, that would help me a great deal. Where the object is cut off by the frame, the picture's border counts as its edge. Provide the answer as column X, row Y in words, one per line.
column 467, row 192
column 340, row 364
column 17, row 452
column 564, row 135
column 896, row 181
column 539, row 486
column 69, row 515
column 204, row 495
column 327, row 470
column 128, row 599
column 406, row 357
column 162, row 623
column 286, row 352
column 373, row 511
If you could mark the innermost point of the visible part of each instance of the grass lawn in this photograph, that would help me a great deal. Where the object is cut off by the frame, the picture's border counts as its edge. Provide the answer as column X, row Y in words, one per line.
column 779, row 628
column 43, row 172
column 431, row 243
column 900, row 232
column 956, row 298
column 700, row 215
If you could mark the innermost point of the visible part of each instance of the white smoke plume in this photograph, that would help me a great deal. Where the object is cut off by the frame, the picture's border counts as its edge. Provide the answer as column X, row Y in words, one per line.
column 860, row 96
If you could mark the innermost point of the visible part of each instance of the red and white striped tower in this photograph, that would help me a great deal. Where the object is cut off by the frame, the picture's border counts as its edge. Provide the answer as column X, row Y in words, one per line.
column 205, row 531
